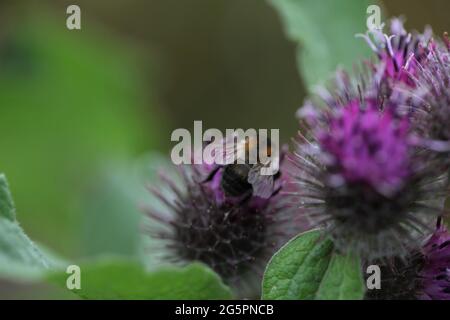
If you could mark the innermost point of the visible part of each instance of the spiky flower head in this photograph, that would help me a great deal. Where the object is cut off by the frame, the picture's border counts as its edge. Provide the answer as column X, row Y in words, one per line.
column 435, row 273
column 361, row 175
column 430, row 99
column 366, row 147
column 424, row 274
column 399, row 53
column 235, row 239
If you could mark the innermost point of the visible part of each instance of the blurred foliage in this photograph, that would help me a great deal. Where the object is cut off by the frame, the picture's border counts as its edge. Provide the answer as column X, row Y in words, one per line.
column 107, row 278
column 124, row 279
column 322, row 46
column 418, row 15
column 113, row 204
column 225, row 62
column 70, row 102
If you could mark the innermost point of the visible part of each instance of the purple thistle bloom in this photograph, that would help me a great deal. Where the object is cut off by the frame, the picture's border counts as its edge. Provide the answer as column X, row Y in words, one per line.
column 367, row 147
column 423, row 275
column 235, row 239
column 430, row 100
column 435, row 273
column 360, row 173
column 398, row 53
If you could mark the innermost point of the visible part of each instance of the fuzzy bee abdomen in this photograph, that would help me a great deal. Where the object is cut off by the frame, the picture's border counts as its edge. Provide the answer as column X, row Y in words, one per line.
column 234, row 180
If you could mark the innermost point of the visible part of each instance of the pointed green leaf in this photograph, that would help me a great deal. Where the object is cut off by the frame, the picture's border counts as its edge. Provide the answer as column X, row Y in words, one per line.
column 7, row 208
column 343, row 280
column 19, row 257
column 308, row 268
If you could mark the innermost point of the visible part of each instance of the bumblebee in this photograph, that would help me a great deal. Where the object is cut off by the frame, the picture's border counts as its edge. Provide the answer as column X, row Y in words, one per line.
column 245, row 179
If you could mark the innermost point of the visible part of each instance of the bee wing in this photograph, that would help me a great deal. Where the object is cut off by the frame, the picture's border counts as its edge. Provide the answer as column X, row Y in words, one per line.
column 229, row 150
column 263, row 185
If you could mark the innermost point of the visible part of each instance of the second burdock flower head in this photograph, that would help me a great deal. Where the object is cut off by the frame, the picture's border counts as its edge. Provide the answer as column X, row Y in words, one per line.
column 430, row 99
column 414, row 69
column 399, row 54
column 423, row 274
column 361, row 173
column 235, row 237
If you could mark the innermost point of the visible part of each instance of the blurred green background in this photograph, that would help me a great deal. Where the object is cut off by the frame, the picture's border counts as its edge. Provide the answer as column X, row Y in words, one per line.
column 81, row 110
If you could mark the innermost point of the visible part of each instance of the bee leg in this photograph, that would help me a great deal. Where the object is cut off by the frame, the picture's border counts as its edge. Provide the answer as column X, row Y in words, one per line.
column 211, row 175
column 277, row 175
column 277, row 191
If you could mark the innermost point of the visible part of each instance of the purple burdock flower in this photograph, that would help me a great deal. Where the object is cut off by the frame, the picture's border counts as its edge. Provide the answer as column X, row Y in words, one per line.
column 398, row 53
column 424, row 274
column 430, row 99
column 435, row 273
column 235, row 239
column 361, row 175
column 367, row 147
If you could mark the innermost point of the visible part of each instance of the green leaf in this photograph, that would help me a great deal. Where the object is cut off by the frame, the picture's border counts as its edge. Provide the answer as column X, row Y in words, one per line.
column 19, row 257
column 325, row 33
column 7, row 208
column 342, row 280
column 121, row 279
column 308, row 268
